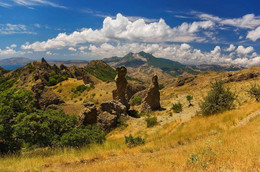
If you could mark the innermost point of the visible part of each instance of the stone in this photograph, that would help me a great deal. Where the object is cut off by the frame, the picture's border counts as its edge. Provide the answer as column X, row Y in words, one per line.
column 184, row 79
column 120, row 93
column 113, row 107
column 151, row 100
column 89, row 114
column 45, row 96
column 109, row 113
column 107, row 121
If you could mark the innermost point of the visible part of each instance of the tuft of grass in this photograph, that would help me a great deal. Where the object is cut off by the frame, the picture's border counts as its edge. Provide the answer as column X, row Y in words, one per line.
column 151, row 121
column 177, row 107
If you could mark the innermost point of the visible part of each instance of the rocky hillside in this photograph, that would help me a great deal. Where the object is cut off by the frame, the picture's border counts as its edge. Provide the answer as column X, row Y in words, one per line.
column 2, row 71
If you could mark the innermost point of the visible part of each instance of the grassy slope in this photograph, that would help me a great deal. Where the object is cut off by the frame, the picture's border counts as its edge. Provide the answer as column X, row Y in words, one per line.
column 203, row 143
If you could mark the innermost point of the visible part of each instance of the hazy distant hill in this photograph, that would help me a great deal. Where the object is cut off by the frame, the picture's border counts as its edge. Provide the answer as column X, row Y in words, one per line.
column 15, row 61
column 69, row 62
column 207, row 67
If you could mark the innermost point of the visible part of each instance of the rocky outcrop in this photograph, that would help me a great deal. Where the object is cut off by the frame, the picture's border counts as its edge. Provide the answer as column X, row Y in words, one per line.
column 89, row 114
column 45, row 96
column 109, row 113
column 120, row 93
column 235, row 77
column 132, row 89
column 151, row 100
column 107, row 121
column 184, row 79
column 3, row 71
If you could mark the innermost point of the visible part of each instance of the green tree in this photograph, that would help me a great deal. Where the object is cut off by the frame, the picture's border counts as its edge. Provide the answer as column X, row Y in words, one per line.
column 189, row 98
column 218, row 99
column 43, row 128
column 12, row 102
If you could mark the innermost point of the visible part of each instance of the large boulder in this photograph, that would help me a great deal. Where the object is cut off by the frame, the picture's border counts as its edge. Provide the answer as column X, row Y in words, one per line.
column 109, row 114
column 89, row 114
column 45, row 96
column 120, row 93
column 107, row 121
column 114, row 107
column 151, row 100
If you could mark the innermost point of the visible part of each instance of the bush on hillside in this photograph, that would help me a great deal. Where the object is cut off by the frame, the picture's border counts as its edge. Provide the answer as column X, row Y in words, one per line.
column 43, row 128
column 218, row 99
column 254, row 91
column 136, row 101
column 82, row 88
column 151, row 121
column 131, row 141
column 54, row 79
column 189, row 98
column 161, row 86
column 177, row 107
column 79, row 137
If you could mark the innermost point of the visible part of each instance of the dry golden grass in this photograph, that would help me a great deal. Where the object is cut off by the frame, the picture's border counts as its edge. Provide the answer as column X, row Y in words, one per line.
column 204, row 143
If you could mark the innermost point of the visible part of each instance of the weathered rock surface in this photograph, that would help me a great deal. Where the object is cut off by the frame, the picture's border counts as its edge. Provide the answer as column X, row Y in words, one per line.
column 110, row 111
column 89, row 114
column 184, row 79
column 132, row 89
column 120, row 93
column 151, row 100
column 45, row 96
column 235, row 77
column 107, row 121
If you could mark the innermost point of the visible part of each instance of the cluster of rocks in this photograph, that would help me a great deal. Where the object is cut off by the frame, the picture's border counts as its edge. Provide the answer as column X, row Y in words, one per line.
column 236, row 77
column 45, row 97
column 42, row 71
column 107, row 115
column 184, row 79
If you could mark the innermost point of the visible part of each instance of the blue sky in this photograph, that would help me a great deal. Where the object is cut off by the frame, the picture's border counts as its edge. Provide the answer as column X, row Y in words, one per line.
column 188, row 31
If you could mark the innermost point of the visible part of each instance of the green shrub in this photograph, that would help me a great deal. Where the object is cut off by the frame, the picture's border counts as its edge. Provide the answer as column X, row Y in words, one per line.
column 6, row 83
column 177, row 107
column 82, row 88
column 189, row 98
column 79, row 137
column 161, row 86
column 131, row 141
column 136, row 101
column 218, row 99
column 54, row 79
column 150, row 122
column 43, row 128
column 12, row 102
column 121, row 122
column 254, row 91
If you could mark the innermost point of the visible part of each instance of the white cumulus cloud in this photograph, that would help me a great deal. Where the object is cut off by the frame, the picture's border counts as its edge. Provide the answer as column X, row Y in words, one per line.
column 121, row 28
column 254, row 34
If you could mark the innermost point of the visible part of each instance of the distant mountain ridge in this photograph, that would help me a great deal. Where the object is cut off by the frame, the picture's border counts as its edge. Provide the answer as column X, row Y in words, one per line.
column 15, row 61
column 142, row 59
